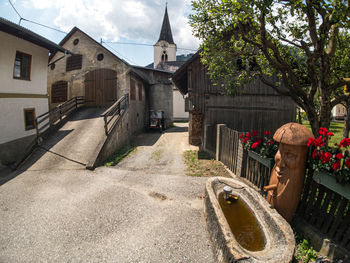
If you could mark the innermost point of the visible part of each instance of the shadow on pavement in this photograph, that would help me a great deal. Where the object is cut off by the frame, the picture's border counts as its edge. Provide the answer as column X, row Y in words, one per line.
column 38, row 152
column 177, row 129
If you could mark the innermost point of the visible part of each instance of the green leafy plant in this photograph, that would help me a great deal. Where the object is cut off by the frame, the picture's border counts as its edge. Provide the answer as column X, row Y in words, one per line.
column 305, row 252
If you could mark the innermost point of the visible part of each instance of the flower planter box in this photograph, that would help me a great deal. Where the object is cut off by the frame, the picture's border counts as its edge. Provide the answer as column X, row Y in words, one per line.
column 329, row 181
column 268, row 162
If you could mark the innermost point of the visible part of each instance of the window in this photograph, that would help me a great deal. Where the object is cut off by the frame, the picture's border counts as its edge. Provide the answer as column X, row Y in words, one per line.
column 59, row 91
column 187, row 105
column 76, row 41
column 100, row 57
column 21, row 69
column 164, row 56
column 132, row 90
column 139, row 86
column 74, row 62
column 29, row 116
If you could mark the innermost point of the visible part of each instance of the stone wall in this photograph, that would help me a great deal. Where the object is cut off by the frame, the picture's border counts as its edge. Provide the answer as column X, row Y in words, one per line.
column 89, row 49
column 14, row 151
column 116, row 139
column 160, row 92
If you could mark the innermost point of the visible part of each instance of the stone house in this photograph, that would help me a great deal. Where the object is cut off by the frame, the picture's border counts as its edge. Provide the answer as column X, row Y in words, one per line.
column 97, row 74
column 23, row 93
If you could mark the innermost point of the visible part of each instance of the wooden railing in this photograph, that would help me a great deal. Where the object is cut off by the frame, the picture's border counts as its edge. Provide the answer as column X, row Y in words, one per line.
column 326, row 210
column 113, row 113
column 54, row 116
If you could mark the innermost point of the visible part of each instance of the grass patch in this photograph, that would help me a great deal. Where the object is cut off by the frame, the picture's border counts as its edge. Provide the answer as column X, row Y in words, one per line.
column 199, row 163
column 335, row 127
column 120, row 155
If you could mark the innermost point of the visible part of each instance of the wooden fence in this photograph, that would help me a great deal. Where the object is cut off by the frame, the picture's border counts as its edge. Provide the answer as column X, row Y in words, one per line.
column 322, row 208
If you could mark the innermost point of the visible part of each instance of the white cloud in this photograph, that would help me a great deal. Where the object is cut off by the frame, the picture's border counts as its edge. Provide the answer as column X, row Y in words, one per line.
column 137, row 20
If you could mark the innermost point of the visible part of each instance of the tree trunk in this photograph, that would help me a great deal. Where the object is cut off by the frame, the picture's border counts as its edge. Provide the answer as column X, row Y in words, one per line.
column 347, row 121
column 323, row 120
column 314, row 123
column 299, row 116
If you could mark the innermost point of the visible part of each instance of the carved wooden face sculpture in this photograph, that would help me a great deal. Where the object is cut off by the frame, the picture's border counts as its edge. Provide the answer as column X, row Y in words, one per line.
column 287, row 176
column 286, row 160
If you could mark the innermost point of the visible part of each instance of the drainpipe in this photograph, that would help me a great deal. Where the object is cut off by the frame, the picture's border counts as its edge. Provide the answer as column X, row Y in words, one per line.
column 70, row 92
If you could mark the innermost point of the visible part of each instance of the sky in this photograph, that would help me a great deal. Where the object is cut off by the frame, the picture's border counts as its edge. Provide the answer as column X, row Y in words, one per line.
column 122, row 21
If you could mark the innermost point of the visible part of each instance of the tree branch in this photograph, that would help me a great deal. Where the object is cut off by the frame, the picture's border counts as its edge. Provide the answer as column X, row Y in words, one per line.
column 339, row 99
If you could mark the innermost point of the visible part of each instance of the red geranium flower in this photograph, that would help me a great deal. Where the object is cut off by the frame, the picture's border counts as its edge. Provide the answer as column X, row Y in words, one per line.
column 267, row 132
column 339, row 156
column 259, row 140
column 318, row 142
column 347, row 162
column 255, row 145
column 344, row 142
column 255, row 133
column 323, row 131
column 310, row 142
column 314, row 154
column 242, row 135
column 326, row 157
column 330, row 134
column 336, row 166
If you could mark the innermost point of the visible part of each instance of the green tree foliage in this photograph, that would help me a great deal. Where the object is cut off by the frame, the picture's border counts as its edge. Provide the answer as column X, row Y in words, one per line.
column 305, row 43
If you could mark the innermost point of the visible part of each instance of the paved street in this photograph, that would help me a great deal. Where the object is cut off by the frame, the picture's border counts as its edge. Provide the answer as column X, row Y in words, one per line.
column 143, row 210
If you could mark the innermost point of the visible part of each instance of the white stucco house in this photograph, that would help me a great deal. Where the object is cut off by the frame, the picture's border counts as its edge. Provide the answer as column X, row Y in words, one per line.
column 23, row 93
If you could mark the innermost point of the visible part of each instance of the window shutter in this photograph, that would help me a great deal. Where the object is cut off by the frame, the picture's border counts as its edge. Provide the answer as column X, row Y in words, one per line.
column 59, row 91
column 74, row 62
column 132, row 90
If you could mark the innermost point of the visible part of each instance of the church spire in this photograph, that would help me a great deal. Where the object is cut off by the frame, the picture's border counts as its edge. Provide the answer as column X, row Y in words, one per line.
column 165, row 33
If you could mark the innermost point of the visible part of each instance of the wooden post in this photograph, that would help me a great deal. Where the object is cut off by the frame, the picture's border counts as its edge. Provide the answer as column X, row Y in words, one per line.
column 37, row 129
column 60, row 111
column 218, row 140
column 106, row 125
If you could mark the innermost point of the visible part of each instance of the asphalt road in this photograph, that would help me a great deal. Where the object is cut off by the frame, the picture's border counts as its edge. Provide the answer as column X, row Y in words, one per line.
column 143, row 210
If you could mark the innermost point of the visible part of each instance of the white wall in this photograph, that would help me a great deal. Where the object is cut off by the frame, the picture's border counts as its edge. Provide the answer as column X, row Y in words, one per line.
column 158, row 51
column 12, row 117
column 38, row 74
column 179, row 106
column 12, row 114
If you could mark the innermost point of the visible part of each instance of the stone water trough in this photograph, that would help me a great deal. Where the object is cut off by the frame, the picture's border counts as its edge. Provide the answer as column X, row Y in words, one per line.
column 277, row 236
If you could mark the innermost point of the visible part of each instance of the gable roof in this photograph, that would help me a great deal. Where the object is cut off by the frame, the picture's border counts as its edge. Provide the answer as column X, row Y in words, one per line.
column 180, row 76
column 165, row 32
column 21, row 32
column 132, row 68
column 71, row 33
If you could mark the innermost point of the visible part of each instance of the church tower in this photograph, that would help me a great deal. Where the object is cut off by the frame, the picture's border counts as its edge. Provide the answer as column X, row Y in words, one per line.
column 165, row 48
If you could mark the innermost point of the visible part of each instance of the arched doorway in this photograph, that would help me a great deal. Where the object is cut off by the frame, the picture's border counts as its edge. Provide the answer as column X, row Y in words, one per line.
column 100, row 88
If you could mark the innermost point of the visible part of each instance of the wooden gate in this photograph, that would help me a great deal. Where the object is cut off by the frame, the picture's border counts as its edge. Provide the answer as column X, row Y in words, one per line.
column 100, row 88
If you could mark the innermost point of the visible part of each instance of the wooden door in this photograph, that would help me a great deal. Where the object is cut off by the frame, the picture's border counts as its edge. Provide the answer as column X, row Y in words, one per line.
column 101, row 88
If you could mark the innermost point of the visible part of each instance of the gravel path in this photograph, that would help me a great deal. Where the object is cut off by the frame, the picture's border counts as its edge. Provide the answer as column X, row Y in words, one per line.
column 143, row 210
